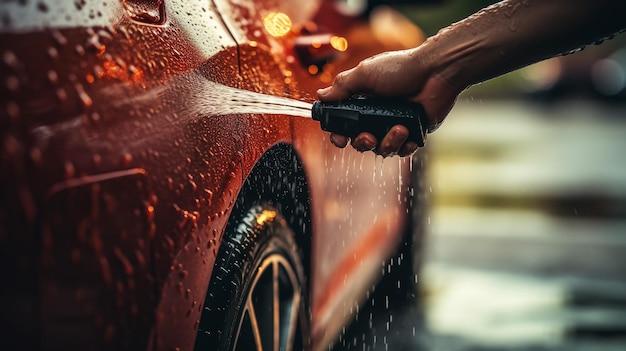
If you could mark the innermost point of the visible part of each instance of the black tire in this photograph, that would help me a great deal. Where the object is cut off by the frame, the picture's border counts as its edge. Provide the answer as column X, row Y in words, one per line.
column 257, row 296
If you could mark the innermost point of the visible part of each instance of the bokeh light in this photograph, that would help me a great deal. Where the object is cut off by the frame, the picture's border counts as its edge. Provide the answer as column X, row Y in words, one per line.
column 277, row 23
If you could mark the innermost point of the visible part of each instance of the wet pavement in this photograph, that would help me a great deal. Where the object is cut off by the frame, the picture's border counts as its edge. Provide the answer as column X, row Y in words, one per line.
column 525, row 239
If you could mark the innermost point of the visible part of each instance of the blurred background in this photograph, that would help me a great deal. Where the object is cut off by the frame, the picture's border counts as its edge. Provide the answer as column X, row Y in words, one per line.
column 525, row 243
column 526, row 235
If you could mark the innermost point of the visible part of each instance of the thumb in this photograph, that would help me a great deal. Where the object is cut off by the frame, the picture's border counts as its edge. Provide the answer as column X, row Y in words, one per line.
column 334, row 92
column 345, row 85
column 324, row 92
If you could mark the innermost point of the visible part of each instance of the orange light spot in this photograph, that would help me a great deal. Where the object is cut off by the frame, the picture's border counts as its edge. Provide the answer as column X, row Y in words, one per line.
column 89, row 78
column 265, row 216
column 136, row 76
column 112, row 70
column 339, row 43
column 277, row 23
column 316, row 44
column 101, row 50
column 98, row 71
column 326, row 77
column 313, row 69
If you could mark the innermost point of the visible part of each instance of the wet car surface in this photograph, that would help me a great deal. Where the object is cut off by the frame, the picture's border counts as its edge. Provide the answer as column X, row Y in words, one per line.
column 142, row 208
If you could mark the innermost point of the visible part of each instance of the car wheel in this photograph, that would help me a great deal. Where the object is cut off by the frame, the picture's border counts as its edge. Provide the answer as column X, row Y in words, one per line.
column 256, row 299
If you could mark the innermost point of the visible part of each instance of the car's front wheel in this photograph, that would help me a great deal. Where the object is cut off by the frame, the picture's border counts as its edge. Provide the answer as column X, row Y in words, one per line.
column 256, row 299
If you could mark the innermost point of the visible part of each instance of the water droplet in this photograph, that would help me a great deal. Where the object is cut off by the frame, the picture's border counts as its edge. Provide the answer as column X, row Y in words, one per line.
column 80, row 4
column 126, row 159
column 53, row 53
column 70, row 171
column 209, row 196
column 93, row 44
column 107, row 277
column 150, row 12
column 97, row 160
column 12, row 83
column 141, row 259
column 42, row 7
column 53, row 77
column 80, row 50
column 59, row 37
column 61, row 94
column 85, row 99
column 35, row 156
column 11, row 60
column 128, row 267
column 95, row 117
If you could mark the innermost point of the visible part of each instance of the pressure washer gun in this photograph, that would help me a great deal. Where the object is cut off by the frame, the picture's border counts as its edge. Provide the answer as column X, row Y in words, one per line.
column 373, row 115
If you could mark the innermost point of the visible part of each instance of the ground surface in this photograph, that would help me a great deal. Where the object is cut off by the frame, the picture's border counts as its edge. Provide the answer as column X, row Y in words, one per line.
column 526, row 236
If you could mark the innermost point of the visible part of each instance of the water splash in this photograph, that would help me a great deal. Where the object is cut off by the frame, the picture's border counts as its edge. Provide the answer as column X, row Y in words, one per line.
column 198, row 97
column 218, row 99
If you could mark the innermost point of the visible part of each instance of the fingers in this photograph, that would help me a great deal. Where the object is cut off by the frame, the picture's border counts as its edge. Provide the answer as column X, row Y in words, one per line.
column 364, row 142
column 375, row 76
column 339, row 141
column 394, row 143
column 408, row 149
column 344, row 86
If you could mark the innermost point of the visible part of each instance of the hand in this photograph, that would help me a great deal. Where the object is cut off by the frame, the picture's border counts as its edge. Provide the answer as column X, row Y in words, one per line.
column 405, row 73
column 498, row 39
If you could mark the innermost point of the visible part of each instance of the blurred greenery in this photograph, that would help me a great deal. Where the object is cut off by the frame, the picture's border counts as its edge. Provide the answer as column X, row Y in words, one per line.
column 431, row 17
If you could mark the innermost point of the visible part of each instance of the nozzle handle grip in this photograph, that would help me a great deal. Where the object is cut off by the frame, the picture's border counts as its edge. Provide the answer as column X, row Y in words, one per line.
column 373, row 115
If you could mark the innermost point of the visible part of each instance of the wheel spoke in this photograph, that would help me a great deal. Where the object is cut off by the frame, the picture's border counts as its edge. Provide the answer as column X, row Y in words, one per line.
column 293, row 320
column 248, row 335
column 255, row 326
column 276, row 304
column 257, row 301
column 273, row 307
column 290, row 307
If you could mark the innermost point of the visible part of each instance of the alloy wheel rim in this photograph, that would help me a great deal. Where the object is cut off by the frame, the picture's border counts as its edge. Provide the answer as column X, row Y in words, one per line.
column 272, row 310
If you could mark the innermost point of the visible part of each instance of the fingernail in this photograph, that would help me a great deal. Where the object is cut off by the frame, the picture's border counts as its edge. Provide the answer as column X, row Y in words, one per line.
column 364, row 146
column 323, row 91
column 335, row 142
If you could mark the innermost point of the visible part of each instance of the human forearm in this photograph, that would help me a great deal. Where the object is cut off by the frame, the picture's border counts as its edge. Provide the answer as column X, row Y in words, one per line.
column 514, row 33
column 499, row 39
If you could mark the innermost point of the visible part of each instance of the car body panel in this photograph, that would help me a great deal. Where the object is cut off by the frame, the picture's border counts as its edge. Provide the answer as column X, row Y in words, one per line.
column 116, row 106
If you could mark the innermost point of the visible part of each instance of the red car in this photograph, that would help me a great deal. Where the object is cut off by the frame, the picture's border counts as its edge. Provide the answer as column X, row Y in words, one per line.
column 156, row 194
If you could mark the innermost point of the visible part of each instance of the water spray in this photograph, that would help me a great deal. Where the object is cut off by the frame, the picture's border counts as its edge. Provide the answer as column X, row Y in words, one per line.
column 348, row 117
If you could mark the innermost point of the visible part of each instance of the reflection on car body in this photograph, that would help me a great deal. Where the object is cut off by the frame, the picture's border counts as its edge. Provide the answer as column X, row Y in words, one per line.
column 134, row 216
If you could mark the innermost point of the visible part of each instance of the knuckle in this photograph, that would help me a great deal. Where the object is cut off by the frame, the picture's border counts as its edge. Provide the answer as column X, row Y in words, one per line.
column 341, row 79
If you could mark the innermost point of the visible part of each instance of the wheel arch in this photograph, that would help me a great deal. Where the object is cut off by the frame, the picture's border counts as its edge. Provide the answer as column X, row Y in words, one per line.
column 276, row 183
column 278, row 178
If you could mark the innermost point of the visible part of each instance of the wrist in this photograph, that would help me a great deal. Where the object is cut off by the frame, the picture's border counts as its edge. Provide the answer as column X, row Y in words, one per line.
column 456, row 58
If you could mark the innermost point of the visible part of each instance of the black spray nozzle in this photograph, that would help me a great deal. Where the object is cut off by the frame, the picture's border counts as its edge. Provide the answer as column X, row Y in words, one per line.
column 373, row 115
